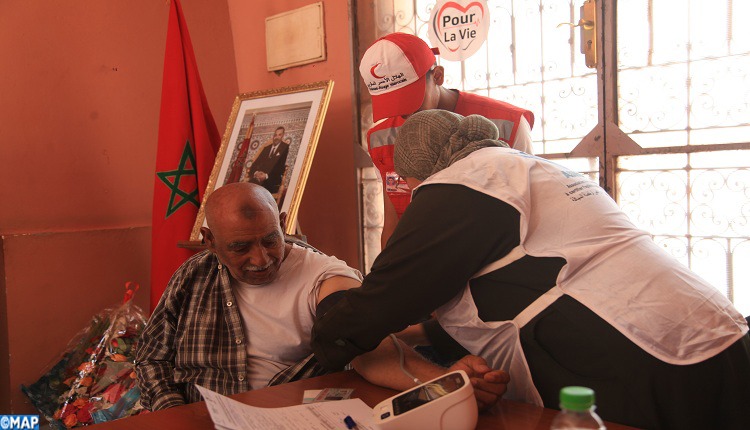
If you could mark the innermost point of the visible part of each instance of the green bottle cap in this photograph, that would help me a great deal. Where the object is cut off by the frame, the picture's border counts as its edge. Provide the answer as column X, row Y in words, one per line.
column 576, row 398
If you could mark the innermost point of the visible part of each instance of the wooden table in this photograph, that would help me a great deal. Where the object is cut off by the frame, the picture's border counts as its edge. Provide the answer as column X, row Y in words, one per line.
column 507, row 415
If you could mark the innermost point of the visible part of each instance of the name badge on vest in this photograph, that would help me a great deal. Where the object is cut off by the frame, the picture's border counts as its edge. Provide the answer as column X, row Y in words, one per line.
column 395, row 184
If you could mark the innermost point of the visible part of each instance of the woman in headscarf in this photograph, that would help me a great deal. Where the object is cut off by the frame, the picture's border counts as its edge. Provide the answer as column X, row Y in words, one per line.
column 535, row 268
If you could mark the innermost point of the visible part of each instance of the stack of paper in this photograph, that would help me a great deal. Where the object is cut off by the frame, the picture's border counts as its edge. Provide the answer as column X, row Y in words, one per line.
column 228, row 414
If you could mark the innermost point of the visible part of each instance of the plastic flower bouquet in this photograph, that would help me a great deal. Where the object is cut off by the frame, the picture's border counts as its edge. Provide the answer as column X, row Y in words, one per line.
column 94, row 381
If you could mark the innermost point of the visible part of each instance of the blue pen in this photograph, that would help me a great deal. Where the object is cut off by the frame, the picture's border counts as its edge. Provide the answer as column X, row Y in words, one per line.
column 350, row 424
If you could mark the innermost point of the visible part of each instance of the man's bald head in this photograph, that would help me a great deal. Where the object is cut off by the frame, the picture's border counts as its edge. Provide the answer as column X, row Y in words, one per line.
column 238, row 199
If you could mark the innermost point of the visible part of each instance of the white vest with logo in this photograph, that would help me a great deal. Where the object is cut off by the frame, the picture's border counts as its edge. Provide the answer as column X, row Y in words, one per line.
column 613, row 268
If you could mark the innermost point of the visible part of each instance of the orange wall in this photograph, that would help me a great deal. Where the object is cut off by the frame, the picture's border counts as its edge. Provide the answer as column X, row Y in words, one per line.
column 80, row 85
column 79, row 102
column 329, row 210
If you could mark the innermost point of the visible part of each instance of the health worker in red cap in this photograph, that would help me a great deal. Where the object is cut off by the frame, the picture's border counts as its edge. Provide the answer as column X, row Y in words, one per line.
column 402, row 76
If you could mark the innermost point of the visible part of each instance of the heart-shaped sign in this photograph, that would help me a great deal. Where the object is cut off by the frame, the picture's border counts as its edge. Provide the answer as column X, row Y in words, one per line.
column 459, row 27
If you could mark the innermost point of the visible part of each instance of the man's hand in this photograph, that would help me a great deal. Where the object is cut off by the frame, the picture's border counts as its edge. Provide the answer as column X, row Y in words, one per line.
column 260, row 176
column 489, row 385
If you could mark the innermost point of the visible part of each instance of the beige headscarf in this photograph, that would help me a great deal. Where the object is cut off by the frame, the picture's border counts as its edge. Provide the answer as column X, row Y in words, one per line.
column 431, row 140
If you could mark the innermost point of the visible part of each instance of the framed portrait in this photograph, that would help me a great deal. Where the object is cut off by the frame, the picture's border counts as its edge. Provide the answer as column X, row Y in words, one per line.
column 270, row 140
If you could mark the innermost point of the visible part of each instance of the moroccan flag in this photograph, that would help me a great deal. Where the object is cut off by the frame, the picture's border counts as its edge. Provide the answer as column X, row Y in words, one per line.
column 239, row 163
column 188, row 142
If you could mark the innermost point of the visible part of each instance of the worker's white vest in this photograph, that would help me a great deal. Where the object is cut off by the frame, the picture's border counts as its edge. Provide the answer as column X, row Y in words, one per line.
column 613, row 268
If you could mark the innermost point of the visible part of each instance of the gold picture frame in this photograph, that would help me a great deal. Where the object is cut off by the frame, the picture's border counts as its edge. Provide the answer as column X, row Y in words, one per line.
column 275, row 130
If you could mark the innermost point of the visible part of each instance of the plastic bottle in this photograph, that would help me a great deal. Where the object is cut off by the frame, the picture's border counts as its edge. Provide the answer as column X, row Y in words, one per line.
column 577, row 410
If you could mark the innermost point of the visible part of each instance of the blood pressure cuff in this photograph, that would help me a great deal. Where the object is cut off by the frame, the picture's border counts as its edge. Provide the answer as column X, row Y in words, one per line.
column 444, row 350
column 333, row 354
column 327, row 303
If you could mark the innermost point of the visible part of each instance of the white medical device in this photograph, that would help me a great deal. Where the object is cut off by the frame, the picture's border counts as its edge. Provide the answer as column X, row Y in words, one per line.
column 444, row 403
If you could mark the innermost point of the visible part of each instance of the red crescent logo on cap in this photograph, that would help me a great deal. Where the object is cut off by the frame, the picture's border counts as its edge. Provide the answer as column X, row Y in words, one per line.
column 372, row 71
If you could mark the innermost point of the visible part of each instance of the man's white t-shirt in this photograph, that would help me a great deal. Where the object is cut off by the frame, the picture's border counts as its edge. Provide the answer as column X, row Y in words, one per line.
column 278, row 317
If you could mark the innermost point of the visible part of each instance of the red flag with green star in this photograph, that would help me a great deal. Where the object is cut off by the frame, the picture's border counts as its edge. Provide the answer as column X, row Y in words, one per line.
column 188, row 142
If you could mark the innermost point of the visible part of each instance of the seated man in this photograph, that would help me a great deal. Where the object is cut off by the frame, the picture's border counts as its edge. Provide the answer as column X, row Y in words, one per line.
column 237, row 314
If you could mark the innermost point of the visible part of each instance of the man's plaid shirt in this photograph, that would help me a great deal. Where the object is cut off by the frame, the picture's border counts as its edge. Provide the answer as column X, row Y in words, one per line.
column 195, row 336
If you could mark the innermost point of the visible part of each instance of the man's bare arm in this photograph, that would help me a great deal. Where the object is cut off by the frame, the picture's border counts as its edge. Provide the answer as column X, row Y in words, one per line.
column 381, row 367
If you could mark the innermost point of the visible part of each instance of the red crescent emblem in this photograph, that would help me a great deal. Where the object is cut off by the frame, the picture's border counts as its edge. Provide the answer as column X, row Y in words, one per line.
column 372, row 71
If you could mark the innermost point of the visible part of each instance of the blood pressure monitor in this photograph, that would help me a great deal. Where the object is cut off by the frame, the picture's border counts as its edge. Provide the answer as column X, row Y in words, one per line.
column 444, row 403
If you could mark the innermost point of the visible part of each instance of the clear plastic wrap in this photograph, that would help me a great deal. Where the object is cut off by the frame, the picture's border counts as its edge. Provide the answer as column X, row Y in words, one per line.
column 94, row 380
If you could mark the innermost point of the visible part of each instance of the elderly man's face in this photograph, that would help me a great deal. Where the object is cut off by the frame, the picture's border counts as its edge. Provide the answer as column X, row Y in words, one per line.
column 251, row 248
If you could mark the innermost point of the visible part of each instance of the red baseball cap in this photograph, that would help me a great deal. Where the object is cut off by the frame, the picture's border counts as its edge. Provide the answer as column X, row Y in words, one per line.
column 394, row 69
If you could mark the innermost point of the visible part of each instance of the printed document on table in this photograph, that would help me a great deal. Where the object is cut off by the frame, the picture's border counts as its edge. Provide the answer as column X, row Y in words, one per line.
column 228, row 414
